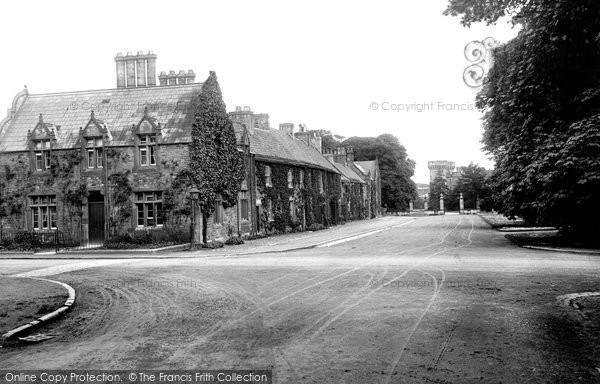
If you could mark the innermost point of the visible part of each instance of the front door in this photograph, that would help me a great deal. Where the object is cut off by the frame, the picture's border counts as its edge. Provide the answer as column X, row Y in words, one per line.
column 96, row 218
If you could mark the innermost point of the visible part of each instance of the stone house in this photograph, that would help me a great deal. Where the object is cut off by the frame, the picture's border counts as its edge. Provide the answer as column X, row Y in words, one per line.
column 96, row 164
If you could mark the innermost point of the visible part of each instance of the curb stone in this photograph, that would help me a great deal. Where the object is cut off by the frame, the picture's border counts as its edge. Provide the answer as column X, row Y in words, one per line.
column 564, row 250
column 47, row 317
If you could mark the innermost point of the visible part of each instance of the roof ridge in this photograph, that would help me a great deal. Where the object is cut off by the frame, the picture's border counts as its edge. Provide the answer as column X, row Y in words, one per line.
column 112, row 89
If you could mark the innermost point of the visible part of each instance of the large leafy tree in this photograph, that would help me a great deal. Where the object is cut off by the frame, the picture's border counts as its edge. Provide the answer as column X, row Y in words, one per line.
column 397, row 188
column 216, row 166
column 542, row 109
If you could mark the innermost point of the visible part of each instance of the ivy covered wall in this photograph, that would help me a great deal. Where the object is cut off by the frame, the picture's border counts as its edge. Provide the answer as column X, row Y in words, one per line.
column 312, row 201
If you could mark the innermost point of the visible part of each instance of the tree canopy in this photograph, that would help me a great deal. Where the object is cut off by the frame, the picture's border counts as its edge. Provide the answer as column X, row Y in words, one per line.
column 216, row 166
column 397, row 188
column 542, row 109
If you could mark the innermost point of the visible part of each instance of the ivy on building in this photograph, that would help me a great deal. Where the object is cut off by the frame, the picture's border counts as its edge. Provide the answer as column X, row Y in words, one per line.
column 216, row 166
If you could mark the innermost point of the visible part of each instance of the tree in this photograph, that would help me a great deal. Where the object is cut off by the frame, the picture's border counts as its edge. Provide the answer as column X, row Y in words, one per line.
column 542, row 110
column 397, row 189
column 436, row 188
column 216, row 166
column 473, row 185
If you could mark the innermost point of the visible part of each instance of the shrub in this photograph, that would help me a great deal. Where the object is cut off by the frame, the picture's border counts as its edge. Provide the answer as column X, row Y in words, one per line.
column 213, row 245
column 235, row 240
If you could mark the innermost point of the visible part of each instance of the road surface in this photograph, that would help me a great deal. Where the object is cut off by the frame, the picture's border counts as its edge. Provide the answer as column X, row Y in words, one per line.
column 441, row 300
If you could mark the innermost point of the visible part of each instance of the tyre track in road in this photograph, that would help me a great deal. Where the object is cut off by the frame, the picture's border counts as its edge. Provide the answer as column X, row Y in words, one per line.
column 398, row 358
column 373, row 291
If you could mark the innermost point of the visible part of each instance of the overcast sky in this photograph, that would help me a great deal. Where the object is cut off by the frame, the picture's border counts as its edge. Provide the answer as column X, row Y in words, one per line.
column 313, row 62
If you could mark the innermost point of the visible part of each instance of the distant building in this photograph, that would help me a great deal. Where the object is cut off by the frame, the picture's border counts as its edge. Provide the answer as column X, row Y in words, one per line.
column 445, row 169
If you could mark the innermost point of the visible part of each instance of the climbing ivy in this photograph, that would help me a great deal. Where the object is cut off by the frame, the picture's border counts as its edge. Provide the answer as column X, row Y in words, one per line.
column 216, row 166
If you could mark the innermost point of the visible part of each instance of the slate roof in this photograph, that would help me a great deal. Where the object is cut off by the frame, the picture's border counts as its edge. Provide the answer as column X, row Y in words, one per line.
column 348, row 173
column 172, row 106
column 368, row 166
column 279, row 147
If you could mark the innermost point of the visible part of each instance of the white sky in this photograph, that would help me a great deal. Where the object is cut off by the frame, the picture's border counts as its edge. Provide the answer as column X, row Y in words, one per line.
column 314, row 62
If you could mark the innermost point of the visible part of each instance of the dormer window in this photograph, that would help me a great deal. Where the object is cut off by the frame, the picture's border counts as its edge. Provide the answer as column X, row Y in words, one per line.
column 42, row 155
column 147, row 150
column 94, row 152
column 93, row 138
column 147, row 131
column 40, row 144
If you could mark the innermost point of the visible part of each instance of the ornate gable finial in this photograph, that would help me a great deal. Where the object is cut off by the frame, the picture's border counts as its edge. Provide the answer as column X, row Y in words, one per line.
column 92, row 115
column 145, row 111
column 41, row 119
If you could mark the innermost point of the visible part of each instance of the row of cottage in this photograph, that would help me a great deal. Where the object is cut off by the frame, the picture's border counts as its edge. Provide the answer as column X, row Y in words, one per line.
column 106, row 162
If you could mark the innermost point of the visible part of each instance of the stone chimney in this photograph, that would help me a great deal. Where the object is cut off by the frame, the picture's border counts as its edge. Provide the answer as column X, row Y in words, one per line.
column 339, row 155
column 120, row 60
column 151, row 68
column 191, row 77
column 287, row 127
column 172, row 78
column 349, row 155
column 130, row 63
column 140, row 66
column 136, row 71
column 162, row 79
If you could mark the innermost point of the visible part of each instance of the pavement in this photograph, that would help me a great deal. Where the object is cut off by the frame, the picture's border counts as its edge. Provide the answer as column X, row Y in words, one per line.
column 440, row 299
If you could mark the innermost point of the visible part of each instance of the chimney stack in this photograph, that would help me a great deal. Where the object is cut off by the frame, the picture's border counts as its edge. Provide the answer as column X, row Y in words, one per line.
column 140, row 65
column 120, row 60
column 191, row 77
column 181, row 77
column 287, row 127
column 162, row 79
column 151, row 68
column 136, row 71
column 172, row 78
column 130, row 62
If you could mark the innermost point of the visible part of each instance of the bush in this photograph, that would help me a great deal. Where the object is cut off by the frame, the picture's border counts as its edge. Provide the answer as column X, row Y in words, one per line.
column 315, row 227
column 235, row 240
column 151, row 238
column 213, row 245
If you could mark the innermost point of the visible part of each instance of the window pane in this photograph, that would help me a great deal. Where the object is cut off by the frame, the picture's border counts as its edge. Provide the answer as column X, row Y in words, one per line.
column 35, row 218
column 153, row 139
column 52, row 217
column 99, row 157
column 152, row 156
column 38, row 145
column 158, row 195
column 90, row 143
column 52, row 199
column 143, row 139
column 149, row 196
column 159, row 213
column 45, row 218
column 143, row 156
column 98, row 142
column 38, row 161
column 150, row 215
column 90, row 158
column 140, row 214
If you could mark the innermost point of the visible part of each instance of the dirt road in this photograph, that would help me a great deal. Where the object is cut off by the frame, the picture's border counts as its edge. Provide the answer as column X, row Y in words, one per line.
column 442, row 300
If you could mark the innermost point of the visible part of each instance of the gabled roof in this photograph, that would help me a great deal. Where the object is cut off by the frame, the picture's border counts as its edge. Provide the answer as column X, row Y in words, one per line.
column 348, row 173
column 370, row 167
column 279, row 147
column 120, row 109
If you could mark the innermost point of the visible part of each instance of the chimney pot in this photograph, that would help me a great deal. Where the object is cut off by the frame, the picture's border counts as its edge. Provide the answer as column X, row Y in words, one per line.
column 130, row 64
column 238, row 109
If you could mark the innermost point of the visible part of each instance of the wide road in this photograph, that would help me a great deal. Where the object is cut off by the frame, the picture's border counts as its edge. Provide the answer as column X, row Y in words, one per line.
column 440, row 300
